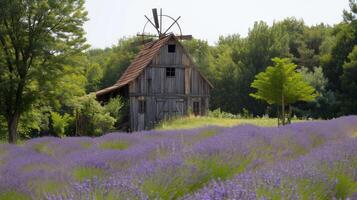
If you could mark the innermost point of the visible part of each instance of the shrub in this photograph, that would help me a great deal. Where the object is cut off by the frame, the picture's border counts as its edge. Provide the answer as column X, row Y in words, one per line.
column 60, row 123
column 218, row 113
column 92, row 119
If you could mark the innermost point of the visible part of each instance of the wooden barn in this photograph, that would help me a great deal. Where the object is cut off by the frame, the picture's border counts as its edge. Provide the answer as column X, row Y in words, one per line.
column 160, row 83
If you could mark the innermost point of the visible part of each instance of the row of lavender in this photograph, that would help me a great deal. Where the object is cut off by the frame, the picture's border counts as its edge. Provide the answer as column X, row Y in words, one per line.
column 311, row 160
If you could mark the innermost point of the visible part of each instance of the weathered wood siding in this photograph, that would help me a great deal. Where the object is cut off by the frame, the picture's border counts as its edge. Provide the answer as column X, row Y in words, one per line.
column 167, row 96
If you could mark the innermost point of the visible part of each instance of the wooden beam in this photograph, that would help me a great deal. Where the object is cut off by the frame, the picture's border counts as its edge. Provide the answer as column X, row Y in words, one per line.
column 184, row 37
column 166, row 65
column 167, row 95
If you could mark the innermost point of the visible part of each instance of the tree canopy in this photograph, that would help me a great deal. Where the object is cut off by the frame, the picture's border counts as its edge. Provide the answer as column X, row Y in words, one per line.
column 281, row 84
column 38, row 39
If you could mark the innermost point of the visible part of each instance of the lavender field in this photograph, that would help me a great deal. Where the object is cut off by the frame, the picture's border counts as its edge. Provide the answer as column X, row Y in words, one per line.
column 308, row 160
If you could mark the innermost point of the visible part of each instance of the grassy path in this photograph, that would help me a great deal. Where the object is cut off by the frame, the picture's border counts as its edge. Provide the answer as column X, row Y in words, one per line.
column 196, row 122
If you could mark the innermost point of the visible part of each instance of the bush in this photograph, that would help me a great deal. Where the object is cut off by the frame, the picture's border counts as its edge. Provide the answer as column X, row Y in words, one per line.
column 60, row 123
column 92, row 119
column 117, row 109
column 218, row 113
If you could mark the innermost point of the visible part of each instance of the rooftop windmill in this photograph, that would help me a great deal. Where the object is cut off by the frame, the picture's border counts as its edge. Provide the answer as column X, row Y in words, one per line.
column 161, row 28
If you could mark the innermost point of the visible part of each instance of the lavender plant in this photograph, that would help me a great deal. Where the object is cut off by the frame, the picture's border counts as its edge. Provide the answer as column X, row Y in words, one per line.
column 309, row 160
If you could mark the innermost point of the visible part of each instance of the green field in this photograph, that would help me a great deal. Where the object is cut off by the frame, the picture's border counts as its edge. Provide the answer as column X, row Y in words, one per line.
column 196, row 122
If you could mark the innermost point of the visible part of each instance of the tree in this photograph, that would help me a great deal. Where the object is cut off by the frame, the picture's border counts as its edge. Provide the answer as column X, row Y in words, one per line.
column 281, row 84
column 349, row 83
column 36, row 38
column 325, row 105
column 346, row 39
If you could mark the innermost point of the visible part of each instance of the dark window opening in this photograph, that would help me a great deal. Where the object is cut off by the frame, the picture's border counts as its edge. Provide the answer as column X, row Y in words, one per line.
column 196, row 108
column 142, row 106
column 170, row 71
column 149, row 85
column 172, row 48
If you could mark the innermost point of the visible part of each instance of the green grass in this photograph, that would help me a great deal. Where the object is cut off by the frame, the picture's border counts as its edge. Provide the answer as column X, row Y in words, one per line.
column 13, row 195
column 46, row 187
column 43, row 148
column 37, row 166
column 114, row 145
column 86, row 145
column 172, row 183
column 195, row 122
column 83, row 173
column 354, row 134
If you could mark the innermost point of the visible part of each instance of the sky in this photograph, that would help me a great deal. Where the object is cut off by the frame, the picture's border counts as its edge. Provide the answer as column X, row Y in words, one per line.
column 110, row 20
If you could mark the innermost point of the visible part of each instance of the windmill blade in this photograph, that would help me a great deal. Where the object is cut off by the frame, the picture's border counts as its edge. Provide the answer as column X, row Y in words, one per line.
column 184, row 37
column 158, row 31
column 172, row 25
column 156, row 19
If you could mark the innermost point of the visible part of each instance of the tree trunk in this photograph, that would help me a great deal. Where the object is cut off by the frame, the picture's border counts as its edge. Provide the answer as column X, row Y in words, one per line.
column 289, row 114
column 282, row 110
column 12, row 123
column 278, row 115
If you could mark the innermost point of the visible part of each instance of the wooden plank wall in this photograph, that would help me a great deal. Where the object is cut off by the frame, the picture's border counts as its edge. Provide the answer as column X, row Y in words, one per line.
column 156, row 88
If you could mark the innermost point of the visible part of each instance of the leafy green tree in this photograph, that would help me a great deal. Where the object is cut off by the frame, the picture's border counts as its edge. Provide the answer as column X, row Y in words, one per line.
column 120, row 58
column 346, row 39
column 281, row 84
column 349, row 83
column 36, row 38
column 201, row 54
column 326, row 105
column 315, row 78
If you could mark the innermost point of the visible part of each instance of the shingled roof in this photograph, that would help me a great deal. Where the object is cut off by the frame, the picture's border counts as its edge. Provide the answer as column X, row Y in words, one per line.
column 141, row 61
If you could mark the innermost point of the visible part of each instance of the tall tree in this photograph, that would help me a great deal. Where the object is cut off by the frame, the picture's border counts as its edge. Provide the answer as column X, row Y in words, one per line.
column 281, row 84
column 346, row 39
column 349, row 83
column 36, row 38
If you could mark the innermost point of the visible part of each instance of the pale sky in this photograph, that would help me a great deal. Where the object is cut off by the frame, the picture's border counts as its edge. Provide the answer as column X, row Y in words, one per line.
column 110, row 20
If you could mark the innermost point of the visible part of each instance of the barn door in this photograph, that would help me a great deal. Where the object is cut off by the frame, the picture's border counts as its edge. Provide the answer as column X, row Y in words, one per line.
column 196, row 108
column 176, row 107
column 141, row 114
column 168, row 108
column 162, row 109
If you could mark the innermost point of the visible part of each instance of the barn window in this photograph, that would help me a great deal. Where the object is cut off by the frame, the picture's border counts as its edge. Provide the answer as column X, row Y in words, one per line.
column 170, row 72
column 171, row 48
column 196, row 108
column 142, row 106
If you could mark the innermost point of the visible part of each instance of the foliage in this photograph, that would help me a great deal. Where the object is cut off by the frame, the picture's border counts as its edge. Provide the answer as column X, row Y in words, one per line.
column 115, row 107
column 349, row 83
column 282, row 85
column 325, row 105
column 60, row 123
column 314, row 78
column 36, row 40
column 92, row 118
column 218, row 113
column 346, row 39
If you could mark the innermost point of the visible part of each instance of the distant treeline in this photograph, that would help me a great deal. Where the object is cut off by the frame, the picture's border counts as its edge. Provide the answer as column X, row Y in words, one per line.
column 326, row 55
column 53, row 89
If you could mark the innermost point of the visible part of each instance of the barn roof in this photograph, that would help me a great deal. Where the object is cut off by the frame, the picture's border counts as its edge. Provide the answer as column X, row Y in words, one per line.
column 141, row 61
